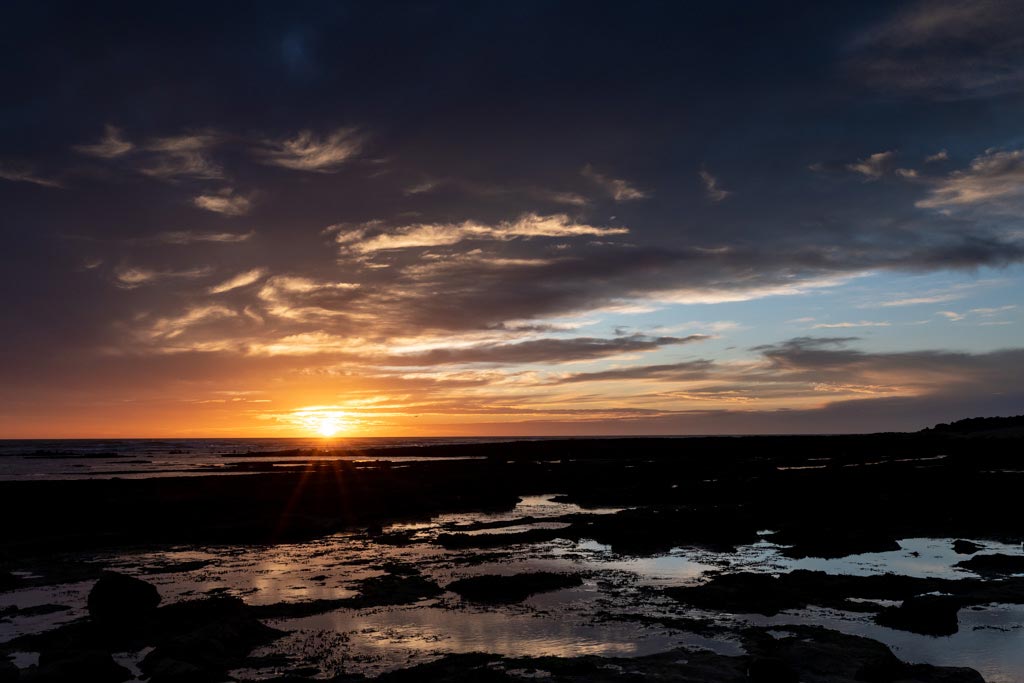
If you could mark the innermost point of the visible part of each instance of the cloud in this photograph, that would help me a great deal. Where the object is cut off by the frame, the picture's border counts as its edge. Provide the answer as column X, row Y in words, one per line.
column 241, row 280
column 982, row 312
column 191, row 237
column 172, row 327
column 305, row 299
column 167, row 158
column 130, row 277
column 482, row 189
column 711, row 188
column 874, row 166
column 671, row 372
column 369, row 238
column 309, row 152
column 23, row 175
column 948, row 49
column 993, row 310
column 993, row 181
column 617, row 189
column 543, row 350
column 862, row 323
column 916, row 300
column 181, row 156
column 224, row 202
column 941, row 155
column 934, row 296
column 112, row 145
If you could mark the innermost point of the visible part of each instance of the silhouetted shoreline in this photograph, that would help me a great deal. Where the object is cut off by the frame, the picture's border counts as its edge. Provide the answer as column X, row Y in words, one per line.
column 820, row 496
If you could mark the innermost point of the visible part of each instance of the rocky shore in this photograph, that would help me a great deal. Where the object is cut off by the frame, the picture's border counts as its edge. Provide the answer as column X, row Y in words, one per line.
column 814, row 497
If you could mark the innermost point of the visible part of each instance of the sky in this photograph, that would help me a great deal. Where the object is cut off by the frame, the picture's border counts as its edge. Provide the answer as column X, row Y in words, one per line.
column 461, row 218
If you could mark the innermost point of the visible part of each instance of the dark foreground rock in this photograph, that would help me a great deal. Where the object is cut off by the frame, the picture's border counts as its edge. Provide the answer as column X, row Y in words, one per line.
column 60, row 666
column 400, row 586
column 492, row 588
column 193, row 641
column 820, row 655
column 996, row 563
column 119, row 598
column 202, row 640
column 755, row 593
column 8, row 581
column 964, row 547
column 932, row 615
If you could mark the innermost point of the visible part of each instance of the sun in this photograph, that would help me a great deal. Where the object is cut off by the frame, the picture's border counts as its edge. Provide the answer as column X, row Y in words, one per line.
column 329, row 426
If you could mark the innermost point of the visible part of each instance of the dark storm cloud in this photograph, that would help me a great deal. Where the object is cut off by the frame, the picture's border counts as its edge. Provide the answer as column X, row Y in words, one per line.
column 945, row 48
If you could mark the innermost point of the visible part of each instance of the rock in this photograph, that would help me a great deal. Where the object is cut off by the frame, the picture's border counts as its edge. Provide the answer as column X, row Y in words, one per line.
column 742, row 593
column 820, row 655
column 830, row 543
column 947, row 674
column 211, row 649
column 169, row 670
column 94, row 666
column 931, row 615
column 962, row 547
column 393, row 589
column 658, row 529
column 771, row 670
column 996, row 563
column 118, row 597
column 8, row 581
column 9, row 673
column 506, row 589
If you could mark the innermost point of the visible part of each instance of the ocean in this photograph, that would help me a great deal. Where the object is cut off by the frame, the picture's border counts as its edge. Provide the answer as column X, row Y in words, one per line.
column 49, row 459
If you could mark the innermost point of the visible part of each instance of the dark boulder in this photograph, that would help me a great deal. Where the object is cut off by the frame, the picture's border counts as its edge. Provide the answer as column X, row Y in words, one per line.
column 8, row 581
column 94, row 666
column 204, row 639
column 771, row 670
column 996, row 563
column 398, row 587
column 962, row 547
column 821, row 655
column 168, row 670
column 118, row 597
column 931, row 615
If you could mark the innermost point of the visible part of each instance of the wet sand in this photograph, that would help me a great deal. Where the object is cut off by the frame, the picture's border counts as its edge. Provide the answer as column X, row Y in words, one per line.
column 732, row 559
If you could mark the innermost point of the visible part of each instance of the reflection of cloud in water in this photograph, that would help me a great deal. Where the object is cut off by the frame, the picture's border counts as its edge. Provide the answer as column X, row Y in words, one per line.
column 398, row 634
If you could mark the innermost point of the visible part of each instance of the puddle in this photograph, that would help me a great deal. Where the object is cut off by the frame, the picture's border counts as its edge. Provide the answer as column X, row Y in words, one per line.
column 591, row 619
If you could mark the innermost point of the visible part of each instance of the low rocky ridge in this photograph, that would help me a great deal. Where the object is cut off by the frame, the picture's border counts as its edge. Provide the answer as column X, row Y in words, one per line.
column 402, row 584
column 495, row 589
column 994, row 564
column 919, row 612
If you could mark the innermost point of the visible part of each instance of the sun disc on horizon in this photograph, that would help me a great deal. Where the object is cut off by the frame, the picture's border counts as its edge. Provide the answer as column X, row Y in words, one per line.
column 329, row 426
